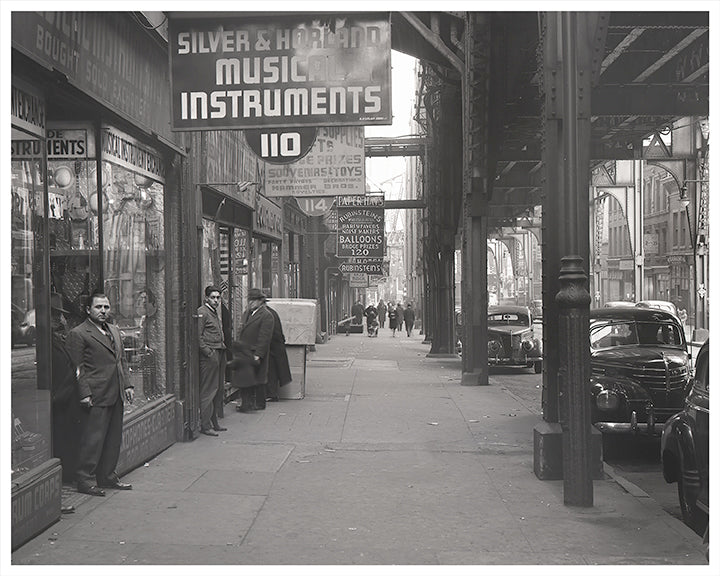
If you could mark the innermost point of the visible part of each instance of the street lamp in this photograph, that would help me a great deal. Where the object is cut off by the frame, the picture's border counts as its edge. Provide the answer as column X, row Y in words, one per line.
column 698, row 249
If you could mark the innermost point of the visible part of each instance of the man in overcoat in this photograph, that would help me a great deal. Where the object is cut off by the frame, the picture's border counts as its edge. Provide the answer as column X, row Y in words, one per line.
column 279, row 370
column 96, row 349
column 258, row 323
column 212, row 352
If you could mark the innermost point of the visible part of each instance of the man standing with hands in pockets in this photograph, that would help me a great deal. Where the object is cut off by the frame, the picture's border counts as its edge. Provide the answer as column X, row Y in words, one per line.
column 212, row 352
column 96, row 349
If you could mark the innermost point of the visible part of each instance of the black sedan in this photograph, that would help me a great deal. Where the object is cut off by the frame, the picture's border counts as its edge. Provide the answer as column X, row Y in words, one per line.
column 512, row 340
column 684, row 448
column 640, row 369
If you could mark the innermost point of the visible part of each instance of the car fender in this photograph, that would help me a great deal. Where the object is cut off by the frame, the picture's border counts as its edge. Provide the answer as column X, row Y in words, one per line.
column 677, row 448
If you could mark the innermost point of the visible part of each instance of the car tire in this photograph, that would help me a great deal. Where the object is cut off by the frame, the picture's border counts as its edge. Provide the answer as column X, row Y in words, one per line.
column 538, row 367
column 691, row 514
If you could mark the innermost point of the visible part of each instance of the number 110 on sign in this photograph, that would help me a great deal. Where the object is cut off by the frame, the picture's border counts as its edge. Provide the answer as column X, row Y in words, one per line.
column 285, row 145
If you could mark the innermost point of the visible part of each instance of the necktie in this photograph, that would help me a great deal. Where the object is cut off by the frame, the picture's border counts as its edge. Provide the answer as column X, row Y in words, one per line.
column 109, row 335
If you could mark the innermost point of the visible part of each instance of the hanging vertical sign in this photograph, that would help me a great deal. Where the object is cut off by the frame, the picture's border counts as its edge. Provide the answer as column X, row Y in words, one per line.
column 256, row 71
column 361, row 226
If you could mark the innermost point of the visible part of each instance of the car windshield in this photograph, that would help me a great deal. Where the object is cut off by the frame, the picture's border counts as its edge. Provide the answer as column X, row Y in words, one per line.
column 503, row 318
column 607, row 334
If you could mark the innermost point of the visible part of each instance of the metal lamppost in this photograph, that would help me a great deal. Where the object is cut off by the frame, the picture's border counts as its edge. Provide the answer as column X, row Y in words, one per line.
column 699, row 251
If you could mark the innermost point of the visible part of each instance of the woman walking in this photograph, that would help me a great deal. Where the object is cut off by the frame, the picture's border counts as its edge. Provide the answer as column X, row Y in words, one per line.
column 392, row 318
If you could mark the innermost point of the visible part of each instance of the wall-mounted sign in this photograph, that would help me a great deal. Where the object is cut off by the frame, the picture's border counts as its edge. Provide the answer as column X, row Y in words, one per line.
column 122, row 149
column 279, row 70
column 315, row 205
column 334, row 165
column 361, row 227
column 268, row 218
column 281, row 146
column 365, row 265
column 358, row 281
column 28, row 108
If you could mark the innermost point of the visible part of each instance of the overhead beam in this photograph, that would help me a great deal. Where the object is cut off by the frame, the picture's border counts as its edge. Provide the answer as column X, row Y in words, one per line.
column 651, row 100
column 435, row 40
column 379, row 146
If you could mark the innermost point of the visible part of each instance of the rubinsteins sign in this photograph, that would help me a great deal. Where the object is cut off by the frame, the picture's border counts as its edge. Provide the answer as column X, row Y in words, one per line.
column 249, row 71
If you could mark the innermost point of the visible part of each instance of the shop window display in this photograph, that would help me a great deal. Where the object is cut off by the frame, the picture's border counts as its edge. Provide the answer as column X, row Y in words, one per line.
column 30, row 394
column 134, row 273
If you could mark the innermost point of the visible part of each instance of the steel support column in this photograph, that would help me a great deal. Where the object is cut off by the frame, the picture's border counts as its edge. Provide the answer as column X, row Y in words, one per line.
column 475, row 198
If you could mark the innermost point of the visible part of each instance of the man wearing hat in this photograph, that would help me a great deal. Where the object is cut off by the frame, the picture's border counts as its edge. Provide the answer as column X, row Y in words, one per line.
column 256, row 333
column 65, row 396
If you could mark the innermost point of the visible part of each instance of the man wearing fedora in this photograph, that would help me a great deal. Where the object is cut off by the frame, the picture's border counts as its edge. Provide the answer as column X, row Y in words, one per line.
column 256, row 333
column 96, row 349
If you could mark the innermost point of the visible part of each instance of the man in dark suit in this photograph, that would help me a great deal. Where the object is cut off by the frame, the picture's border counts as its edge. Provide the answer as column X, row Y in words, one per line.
column 256, row 333
column 279, row 371
column 96, row 348
column 212, row 352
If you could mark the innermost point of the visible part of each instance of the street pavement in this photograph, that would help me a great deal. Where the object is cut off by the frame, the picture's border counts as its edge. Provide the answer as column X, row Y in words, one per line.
column 388, row 460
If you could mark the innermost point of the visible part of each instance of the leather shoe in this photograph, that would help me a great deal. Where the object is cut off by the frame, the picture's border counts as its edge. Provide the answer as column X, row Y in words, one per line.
column 117, row 485
column 219, row 428
column 92, row 490
column 208, row 432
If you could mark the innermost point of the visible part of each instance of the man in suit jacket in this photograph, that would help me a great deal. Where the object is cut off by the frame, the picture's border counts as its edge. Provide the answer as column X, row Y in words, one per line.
column 257, row 332
column 279, row 370
column 212, row 351
column 96, row 348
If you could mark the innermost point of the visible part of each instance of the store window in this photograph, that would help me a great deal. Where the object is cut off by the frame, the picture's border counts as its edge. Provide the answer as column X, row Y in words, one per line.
column 134, row 260
column 31, row 438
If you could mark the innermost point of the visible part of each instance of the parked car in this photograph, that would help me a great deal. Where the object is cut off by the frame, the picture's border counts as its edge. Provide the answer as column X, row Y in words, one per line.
column 619, row 304
column 659, row 305
column 639, row 369
column 511, row 338
column 22, row 327
column 684, row 448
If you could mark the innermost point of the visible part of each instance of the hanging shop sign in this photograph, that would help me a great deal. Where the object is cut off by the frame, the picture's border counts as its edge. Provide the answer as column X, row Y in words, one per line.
column 28, row 109
column 361, row 226
column 104, row 54
column 364, row 265
column 279, row 70
column 315, row 205
column 280, row 146
column 268, row 218
column 335, row 165
column 358, row 281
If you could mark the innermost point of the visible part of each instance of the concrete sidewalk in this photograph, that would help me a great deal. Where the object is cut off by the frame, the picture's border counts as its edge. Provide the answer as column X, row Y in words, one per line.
column 387, row 460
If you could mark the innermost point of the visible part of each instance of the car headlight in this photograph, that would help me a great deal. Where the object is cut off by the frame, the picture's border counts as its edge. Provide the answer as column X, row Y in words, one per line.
column 527, row 345
column 607, row 400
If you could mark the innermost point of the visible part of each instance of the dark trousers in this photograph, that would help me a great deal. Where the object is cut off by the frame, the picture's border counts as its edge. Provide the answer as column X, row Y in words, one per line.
column 219, row 401
column 66, row 435
column 209, row 378
column 253, row 397
column 100, row 443
column 409, row 327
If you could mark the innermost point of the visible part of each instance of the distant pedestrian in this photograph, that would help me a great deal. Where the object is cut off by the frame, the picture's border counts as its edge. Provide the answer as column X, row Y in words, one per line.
column 357, row 313
column 212, row 352
column 409, row 317
column 279, row 370
column 258, row 323
column 382, row 311
column 370, row 314
column 400, row 315
column 392, row 318
column 96, row 349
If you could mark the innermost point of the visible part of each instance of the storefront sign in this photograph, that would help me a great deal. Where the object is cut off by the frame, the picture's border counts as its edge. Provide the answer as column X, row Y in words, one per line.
column 334, row 166
column 36, row 504
column 106, row 55
column 359, row 281
column 146, row 435
column 27, row 109
column 279, row 70
column 361, row 227
column 268, row 218
column 365, row 265
column 651, row 243
column 124, row 150
column 315, row 205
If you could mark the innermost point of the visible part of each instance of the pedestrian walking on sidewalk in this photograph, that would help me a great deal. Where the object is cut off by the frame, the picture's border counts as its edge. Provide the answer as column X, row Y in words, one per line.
column 96, row 349
column 400, row 316
column 392, row 318
column 370, row 314
column 382, row 312
column 279, row 369
column 409, row 317
column 212, row 352
column 258, row 323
